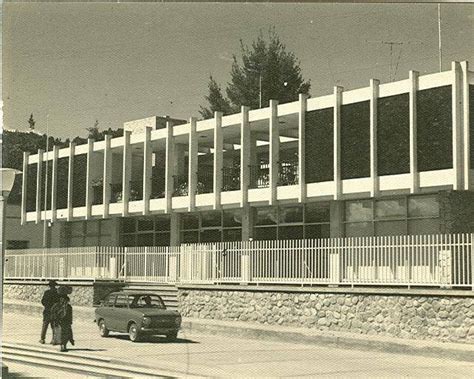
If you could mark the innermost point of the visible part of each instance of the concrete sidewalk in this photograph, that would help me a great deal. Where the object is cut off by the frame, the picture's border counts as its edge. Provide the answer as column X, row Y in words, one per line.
column 276, row 333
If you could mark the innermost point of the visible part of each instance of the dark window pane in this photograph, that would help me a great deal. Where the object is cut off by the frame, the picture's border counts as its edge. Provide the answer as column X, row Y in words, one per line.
column 79, row 180
column 211, row 235
column 129, row 240
column 390, row 228
column 76, row 228
column 211, row 218
column 423, row 206
column 393, row 134
column 162, row 239
column 106, row 227
column 76, row 241
column 393, row 208
column 423, row 226
column 31, row 188
column 145, row 224
column 189, row 237
column 128, row 225
column 291, row 214
column 317, row 212
column 230, row 235
column 355, row 140
column 267, row 216
column 265, row 233
column 162, row 223
column 359, row 210
column 471, row 122
column 145, row 239
column 317, row 231
column 319, row 145
column 290, row 232
column 233, row 218
column 189, row 221
column 434, row 128
column 359, row 229
column 92, row 227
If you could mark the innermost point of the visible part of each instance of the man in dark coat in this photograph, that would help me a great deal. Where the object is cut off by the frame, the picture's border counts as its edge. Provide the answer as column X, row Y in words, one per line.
column 50, row 298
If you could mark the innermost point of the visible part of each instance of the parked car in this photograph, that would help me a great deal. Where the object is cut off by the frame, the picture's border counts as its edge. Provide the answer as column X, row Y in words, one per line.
column 139, row 314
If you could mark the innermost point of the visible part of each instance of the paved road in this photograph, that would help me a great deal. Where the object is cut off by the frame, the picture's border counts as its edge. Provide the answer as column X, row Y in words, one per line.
column 213, row 355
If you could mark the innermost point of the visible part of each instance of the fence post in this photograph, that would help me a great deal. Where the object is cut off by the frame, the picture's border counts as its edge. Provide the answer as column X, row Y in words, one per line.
column 472, row 262
column 125, row 258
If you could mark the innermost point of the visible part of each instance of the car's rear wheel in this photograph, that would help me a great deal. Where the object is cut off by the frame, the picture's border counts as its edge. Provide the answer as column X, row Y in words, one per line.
column 133, row 332
column 104, row 332
column 172, row 336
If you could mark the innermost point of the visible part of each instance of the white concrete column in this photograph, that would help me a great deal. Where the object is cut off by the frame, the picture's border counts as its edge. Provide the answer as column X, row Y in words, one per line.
column 465, row 125
column 126, row 171
column 24, row 187
column 457, row 123
column 147, row 165
column 70, row 182
column 89, row 188
column 218, row 159
column 169, row 169
column 54, row 184
column 414, row 182
column 245, row 152
column 39, row 176
column 274, row 152
column 303, row 101
column 374, row 89
column 337, row 142
column 192, row 163
column 107, row 177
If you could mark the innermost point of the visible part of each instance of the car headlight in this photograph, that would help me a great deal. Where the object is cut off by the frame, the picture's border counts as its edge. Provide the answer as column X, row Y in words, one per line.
column 146, row 321
column 178, row 320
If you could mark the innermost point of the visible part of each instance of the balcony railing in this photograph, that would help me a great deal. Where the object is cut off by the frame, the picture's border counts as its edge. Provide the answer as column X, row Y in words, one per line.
column 230, row 178
column 205, row 179
column 260, row 176
column 421, row 260
column 288, row 173
column 180, row 185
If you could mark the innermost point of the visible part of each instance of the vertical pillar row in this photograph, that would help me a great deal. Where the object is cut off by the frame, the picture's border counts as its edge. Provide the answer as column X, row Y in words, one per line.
column 303, row 101
column 126, row 171
column 218, row 159
column 54, row 184
column 374, row 87
column 70, row 182
column 414, row 181
column 107, row 177
column 39, row 175
column 457, row 113
column 147, row 166
column 89, row 189
column 245, row 153
column 169, row 169
column 192, row 164
column 338, row 90
column 24, row 185
column 465, row 126
column 274, row 152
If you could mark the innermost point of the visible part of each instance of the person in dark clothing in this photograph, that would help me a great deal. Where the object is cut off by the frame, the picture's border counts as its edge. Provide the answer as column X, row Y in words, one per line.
column 50, row 297
column 61, row 319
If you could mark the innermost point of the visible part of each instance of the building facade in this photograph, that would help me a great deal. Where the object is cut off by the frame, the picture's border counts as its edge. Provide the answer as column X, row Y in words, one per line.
column 386, row 159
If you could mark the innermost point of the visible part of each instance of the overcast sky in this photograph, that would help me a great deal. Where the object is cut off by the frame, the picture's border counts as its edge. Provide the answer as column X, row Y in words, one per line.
column 117, row 62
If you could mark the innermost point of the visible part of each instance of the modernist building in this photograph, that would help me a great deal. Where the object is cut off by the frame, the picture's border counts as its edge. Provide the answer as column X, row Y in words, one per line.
column 386, row 159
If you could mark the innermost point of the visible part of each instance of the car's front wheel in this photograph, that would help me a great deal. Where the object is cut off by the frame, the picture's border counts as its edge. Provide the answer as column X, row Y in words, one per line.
column 172, row 336
column 104, row 332
column 133, row 332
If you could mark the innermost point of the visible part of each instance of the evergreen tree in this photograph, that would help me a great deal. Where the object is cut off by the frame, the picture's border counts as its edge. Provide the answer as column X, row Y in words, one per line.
column 32, row 122
column 266, row 69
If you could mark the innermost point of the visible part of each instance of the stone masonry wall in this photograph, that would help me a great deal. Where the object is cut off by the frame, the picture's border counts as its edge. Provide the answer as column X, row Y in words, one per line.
column 417, row 317
column 84, row 294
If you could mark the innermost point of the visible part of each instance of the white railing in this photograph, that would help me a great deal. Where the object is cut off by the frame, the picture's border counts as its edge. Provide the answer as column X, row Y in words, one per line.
column 426, row 260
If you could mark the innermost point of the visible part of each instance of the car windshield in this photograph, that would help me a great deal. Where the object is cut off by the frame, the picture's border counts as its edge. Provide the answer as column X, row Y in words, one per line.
column 146, row 301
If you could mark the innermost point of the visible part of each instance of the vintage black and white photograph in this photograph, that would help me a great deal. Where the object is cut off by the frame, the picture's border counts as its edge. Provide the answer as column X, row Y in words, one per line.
column 237, row 189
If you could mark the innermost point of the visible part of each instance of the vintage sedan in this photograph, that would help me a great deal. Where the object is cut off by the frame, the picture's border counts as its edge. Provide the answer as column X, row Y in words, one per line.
column 139, row 314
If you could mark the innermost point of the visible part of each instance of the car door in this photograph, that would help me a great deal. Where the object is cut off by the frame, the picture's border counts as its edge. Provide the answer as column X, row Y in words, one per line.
column 120, row 313
column 106, row 310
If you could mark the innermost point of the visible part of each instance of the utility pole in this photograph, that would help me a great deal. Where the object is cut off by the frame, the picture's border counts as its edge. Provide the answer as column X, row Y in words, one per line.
column 45, row 224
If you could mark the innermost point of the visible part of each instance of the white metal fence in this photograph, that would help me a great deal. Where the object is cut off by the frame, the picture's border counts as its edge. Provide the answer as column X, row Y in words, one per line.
column 426, row 260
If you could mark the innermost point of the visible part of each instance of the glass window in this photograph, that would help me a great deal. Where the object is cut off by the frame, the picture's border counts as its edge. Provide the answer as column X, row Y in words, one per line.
column 162, row 223
column 390, row 228
column 75, row 241
column 267, row 216
column 92, row 227
column 109, row 301
column 265, row 233
column 145, row 239
column 423, row 226
column 162, row 239
column 317, row 231
column 211, row 219
column 317, row 212
column 190, row 237
column 233, row 217
column 91, row 240
column 145, row 224
column 290, row 232
column 230, row 235
column 128, row 225
column 121, row 302
column 393, row 208
column 291, row 214
column 106, row 227
column 360, row 210
column 189, row 221
column 423, row 206
column 129, row 240
column 211, row 235
column 77, row 228
column 359, row 229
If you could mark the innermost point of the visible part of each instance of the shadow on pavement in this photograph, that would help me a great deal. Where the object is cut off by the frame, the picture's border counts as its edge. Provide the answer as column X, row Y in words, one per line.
column 84, row 349
column 152, row 339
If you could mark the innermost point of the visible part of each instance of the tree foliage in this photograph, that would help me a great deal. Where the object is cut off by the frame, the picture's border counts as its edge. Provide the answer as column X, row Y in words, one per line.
column 266, row 60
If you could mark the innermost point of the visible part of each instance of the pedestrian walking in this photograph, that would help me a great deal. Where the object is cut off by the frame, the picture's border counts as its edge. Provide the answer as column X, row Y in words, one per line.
column 50, row 297
column 61, row 319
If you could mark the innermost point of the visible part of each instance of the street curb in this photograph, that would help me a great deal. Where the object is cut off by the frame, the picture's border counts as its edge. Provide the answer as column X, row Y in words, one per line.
column 342, row 340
